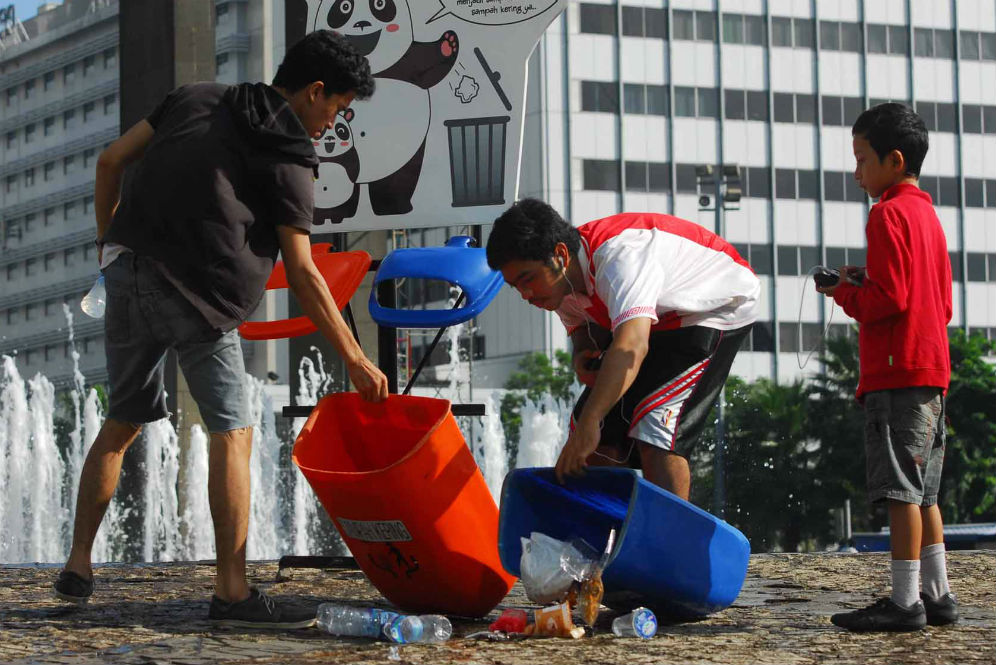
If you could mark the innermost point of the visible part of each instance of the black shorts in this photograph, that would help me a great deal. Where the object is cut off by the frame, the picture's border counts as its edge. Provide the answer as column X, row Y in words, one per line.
column 676, row 386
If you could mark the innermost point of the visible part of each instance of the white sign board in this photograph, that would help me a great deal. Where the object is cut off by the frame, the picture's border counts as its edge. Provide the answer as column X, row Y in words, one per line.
column 439, row 142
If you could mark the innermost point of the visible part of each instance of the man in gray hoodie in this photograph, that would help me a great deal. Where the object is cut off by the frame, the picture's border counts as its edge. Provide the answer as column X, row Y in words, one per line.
column 222, row 178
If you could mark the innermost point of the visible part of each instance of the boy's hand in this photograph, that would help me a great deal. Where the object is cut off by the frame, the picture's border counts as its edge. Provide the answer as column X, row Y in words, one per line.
column 853, row 275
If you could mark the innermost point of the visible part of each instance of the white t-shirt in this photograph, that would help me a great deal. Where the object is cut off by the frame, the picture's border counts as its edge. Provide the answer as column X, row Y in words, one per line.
column 663, row 268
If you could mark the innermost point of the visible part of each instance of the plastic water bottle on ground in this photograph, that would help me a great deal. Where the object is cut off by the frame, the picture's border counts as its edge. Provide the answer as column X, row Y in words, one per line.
column 436, row 628
column 641, row 622
column 403, row 629
column 95, row 301
column 353, row 621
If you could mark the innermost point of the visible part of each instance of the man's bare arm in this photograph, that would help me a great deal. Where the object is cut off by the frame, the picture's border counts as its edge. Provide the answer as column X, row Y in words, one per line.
column 110, row 167
column 318, row 304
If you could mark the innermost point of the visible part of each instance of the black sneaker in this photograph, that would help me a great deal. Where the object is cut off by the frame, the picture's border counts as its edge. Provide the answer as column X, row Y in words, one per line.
column 73, row 588
column 259, row 611
column 941, row 612
column 883, row 615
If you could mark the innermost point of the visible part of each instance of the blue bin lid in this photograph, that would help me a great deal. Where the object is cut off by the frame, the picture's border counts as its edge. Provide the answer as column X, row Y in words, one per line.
column 457, row 263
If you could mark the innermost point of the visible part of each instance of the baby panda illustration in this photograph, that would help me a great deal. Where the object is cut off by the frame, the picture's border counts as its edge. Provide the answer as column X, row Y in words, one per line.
column 336, row 191
column 390, row 129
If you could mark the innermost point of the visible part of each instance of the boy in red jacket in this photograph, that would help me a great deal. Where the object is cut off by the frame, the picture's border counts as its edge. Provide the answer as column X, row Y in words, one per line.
column 902, row 299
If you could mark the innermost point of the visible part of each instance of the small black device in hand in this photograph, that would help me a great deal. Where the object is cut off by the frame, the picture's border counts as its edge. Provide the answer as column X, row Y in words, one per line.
column 825, row 277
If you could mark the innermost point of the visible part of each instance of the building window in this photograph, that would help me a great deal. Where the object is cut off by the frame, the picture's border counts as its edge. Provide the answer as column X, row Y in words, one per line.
column 684, row 24
column 68, row 165
column 987, row 45
column 11, row 96
column 785, row 183
column 975, row 267
column 595, row 19
column 88, row 111
column 29, row 132
column 788, row 336
column 705, row 26
column 599, row 96
column 29, row 177
column 989, row 119
column 88, row 63
column 923, row 41
column 684, row 102
column 48, row 171
column 643, row 22
column 220, row 61
column 850, row 37
column 758, row 183
column 48, row 80
column 971, row 118
column 830, row 35
column 975, row 193
column 761, row 338
column 761, row 259
column 11, row 139
column 11, row 183
column 109, row 102
column 708, row 99
column 69, row 73
column 88, row 157
column 69, row 210
column 48, row 126
column 781, row 31
column 601, row 174
column 648, row 177
column 969, row 45
column 69, row 119
column 110, row 57
column 30, row 268
column 69, row 257
column 733, row 28
column 49, row 212
column 29, row 87
column 87, row 205
column 635, row 98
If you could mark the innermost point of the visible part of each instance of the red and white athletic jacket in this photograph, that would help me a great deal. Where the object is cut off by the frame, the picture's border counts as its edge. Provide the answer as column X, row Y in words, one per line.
column 663, row 268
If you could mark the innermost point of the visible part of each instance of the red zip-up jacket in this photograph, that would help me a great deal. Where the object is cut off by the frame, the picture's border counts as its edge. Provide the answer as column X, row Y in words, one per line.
column 904, row 305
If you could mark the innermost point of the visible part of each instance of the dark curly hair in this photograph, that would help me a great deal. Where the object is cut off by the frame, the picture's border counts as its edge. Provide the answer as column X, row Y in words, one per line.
column 327, row 57
column 893, row 126
column 529, row 231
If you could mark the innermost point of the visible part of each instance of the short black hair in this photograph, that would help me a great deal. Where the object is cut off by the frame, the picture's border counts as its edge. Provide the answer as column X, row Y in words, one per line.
column 529, row 231
column 327, row 57
column 893, row 126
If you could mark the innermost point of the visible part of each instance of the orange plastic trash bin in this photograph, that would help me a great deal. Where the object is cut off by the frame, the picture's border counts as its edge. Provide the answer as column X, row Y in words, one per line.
column 405, row 493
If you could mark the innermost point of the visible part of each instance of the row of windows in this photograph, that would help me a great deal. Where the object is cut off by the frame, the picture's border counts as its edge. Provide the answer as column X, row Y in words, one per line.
column 66, row 258
column 87, row 65
column 652, row 99
column 51, row 351
column 603, row 174
column 17, row 227
column 46, row 172
column 655, row 177
column 71, row 118
column 786, row 32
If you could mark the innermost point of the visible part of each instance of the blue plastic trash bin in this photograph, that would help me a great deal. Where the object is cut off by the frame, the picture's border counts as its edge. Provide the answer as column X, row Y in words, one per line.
column 669, row 555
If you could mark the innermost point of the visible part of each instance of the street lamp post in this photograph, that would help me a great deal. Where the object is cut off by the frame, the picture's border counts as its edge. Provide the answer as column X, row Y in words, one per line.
column 719, row 189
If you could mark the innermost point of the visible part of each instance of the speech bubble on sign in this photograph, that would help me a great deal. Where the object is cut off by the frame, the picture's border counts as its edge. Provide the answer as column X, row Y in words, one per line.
column 493, row 12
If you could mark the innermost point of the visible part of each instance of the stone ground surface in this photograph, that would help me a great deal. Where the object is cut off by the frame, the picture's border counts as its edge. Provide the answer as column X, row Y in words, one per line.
column 157, row 613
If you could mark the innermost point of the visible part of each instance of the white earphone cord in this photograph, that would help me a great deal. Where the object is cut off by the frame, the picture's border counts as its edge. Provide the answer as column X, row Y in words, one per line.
column 802, row 363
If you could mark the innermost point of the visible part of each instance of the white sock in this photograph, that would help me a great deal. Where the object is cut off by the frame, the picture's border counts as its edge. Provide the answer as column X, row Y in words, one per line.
column 905, row 582
column 934, row 571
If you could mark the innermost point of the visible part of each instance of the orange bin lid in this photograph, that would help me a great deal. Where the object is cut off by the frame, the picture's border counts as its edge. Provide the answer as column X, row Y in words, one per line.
column 405, row 493
column 343, row 272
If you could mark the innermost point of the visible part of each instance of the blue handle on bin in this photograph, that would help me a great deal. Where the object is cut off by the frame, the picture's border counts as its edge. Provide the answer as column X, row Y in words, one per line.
column 457, row 263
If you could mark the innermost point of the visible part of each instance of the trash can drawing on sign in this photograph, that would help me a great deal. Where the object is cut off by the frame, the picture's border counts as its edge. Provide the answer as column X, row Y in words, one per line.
column 477, row 160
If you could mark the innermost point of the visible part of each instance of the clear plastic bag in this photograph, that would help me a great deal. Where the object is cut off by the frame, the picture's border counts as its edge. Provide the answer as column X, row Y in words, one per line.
column 549, row 566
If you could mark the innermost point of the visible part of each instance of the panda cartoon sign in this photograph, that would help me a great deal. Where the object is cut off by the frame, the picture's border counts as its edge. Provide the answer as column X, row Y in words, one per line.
column 439, row 141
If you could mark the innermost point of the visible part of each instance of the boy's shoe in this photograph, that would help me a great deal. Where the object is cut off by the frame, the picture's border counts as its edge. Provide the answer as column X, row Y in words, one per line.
column 259, row 611
column 73, row 588
column 883, row 615
column 940, row 612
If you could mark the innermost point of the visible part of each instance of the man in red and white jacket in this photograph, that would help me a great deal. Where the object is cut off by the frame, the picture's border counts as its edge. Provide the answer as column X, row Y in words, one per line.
column 656, row 308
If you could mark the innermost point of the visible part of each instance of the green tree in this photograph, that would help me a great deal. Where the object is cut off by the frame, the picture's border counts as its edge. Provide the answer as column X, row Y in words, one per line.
column 968, row 484
column 535, row 378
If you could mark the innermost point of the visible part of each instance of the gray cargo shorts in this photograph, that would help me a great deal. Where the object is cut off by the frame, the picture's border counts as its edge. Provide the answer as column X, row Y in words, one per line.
column 146, row 316
column 904, row 444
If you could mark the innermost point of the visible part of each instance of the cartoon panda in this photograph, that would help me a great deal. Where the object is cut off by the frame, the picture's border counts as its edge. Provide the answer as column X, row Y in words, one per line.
column 336, row 190
column 390, row 131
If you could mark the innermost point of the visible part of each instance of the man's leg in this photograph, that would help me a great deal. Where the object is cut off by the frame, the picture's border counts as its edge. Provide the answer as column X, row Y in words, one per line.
column 666, row 469
column 228, row 495
column 98, row 481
